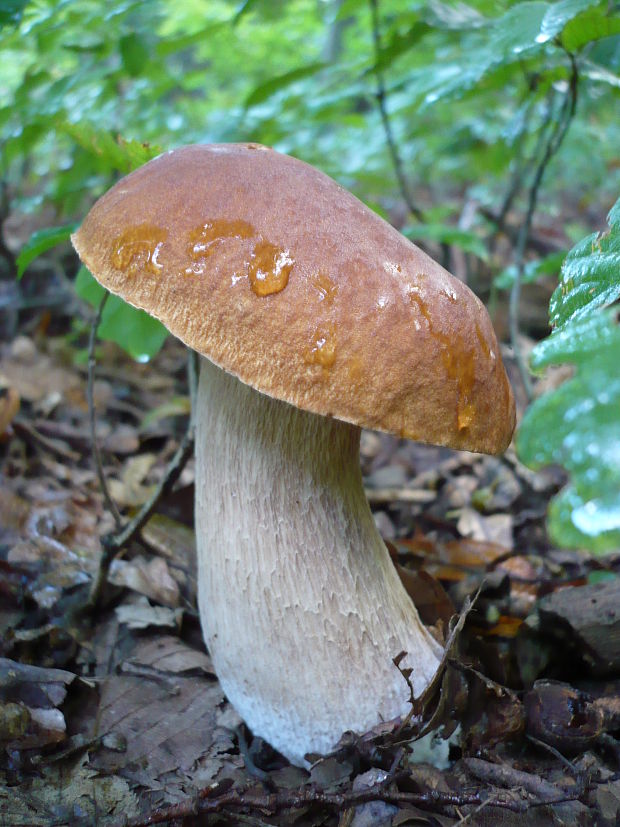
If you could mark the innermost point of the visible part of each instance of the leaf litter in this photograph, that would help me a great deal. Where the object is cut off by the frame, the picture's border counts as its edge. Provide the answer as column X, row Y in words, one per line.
column 118, row 718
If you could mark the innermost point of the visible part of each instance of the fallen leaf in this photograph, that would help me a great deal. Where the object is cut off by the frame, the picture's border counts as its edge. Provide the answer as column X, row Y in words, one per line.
column 171, row 655
column 141, row 614
column 9, row 407
column 151, row 578
column 129, row 490
column 495, row 529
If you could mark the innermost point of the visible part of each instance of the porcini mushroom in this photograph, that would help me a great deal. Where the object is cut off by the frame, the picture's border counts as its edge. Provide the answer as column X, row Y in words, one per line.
column 314, row 318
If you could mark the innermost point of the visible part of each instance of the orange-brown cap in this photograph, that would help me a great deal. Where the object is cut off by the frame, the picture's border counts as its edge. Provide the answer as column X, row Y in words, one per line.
column 275, row 273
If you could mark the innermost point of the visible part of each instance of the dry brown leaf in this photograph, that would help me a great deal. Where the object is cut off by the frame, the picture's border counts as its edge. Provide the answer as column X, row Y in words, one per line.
column 151, row 578
column 495, row 529
column 129, row 490
column 140, row 615
column 9, row 408
column 30, row 695
column 167, row 725
column 169, row 654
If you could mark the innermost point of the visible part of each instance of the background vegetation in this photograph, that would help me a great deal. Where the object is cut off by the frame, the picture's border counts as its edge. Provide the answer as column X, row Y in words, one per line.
column 487, row 131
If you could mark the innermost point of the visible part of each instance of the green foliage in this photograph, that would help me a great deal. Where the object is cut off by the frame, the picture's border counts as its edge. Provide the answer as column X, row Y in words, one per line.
column 40, row 242
column 578, row 424
column 113, row 152
column 533, row 270
column 590, row 276
column 11, row 11
column 134, row 330
column 446, row 234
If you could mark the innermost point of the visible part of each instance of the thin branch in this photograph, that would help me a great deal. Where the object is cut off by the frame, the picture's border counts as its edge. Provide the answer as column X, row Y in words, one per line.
column 516, row 180
column 122, row 538
column 125, row 534
column 92, row 363
column 380, row 95
column 218, row 798
column 552, row 146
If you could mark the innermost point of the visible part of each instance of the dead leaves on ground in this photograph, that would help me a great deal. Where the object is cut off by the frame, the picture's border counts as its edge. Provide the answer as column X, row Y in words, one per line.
column 125, row 716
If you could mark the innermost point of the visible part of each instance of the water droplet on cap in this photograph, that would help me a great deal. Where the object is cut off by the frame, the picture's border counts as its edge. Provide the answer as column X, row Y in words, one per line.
column 322, row 350
column 269, row 268
column 139, row 249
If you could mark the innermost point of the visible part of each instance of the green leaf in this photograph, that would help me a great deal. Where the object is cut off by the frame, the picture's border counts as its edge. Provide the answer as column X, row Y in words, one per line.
column 577, row 425
column 559, row 14
column 134, row 54
column 400, row 43
column 244, row 8
column 265, row 90
column 533, row 271
column 179, row 43
column 40, row 242
column 576, row 341
column 116, row 153
column 588, row 27
column 135, row 331
column 11, row 11
column 517, row 31
column 590, row 275
column 447, row 234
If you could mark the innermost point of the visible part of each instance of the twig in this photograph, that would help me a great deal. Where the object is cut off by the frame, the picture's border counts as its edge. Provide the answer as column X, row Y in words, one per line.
column 120, row 539
column 516, row 180
column 556, row 753
column 124, row 534
column 110, row 504
column 54, row 446
column 209, row 801
column 552, row 146
column 380, row 95
column 273, row 803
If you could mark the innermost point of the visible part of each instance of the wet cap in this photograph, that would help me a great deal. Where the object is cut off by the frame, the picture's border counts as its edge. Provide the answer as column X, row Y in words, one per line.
column 281, row 277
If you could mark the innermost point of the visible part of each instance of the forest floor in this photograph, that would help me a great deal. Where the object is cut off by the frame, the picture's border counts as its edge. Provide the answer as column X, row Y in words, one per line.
column 115, row 716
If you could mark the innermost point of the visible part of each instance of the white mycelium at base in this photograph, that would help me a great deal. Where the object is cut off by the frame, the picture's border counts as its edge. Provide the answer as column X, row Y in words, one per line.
column 301, row 607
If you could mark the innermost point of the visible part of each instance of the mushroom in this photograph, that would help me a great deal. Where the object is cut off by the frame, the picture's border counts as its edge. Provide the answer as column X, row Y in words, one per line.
column 314, row 318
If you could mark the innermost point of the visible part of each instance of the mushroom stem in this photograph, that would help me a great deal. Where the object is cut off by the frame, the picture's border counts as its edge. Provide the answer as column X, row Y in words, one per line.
column 301, row 607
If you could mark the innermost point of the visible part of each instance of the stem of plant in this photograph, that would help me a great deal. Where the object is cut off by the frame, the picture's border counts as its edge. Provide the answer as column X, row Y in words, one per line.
column 125, row 533
column 552, row 145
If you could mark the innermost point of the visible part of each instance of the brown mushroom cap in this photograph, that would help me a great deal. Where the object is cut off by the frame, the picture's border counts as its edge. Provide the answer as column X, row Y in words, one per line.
column 275, row 273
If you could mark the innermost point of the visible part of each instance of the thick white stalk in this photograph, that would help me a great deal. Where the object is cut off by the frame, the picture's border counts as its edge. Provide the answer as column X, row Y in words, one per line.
column 301, row 607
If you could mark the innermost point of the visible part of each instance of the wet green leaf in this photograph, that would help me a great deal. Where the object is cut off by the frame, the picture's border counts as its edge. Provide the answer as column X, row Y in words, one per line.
column 559, row 14
column 577, row 425
column 590, row 275
column 518, row 30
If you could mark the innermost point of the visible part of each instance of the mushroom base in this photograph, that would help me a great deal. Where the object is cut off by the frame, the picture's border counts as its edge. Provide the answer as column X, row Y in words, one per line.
column 301, row 607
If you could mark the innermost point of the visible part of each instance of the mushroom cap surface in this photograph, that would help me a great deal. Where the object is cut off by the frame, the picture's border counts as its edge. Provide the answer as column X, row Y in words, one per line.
column 278, row 275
